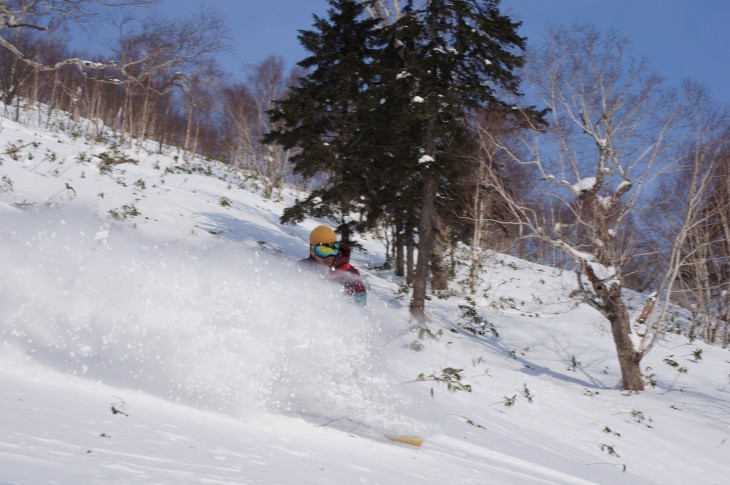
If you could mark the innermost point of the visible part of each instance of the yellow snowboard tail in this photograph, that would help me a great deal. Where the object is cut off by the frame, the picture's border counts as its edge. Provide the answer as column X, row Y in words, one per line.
column 409, row 440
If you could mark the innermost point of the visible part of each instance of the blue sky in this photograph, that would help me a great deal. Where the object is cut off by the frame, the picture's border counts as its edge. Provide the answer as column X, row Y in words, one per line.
column 681, row 39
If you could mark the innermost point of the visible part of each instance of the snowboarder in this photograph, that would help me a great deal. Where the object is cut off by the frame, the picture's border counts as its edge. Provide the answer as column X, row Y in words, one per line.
column 332, row 259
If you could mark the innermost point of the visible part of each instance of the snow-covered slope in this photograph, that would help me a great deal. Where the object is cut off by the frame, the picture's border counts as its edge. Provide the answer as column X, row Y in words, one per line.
column 154, row 328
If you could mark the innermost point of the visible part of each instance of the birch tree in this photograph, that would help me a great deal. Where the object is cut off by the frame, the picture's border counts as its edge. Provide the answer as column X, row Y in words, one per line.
column 43, row 16
column 164, row 54
column 246, row 108
column 480, row 208
column 693, row 209
column 612, row 128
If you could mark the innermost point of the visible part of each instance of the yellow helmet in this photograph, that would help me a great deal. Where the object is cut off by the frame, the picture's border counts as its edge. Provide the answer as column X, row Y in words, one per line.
column 321, row 235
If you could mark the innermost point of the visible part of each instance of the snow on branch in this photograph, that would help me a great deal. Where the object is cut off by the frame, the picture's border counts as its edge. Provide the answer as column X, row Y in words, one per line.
column 585, row 185
column 578, row 256
column 75, row 61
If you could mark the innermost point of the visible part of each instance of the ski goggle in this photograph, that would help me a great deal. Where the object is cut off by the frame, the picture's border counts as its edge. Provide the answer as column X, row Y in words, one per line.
column 326, row 250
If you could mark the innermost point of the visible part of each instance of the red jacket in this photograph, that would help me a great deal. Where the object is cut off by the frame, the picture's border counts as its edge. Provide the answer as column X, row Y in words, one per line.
column 344, row 274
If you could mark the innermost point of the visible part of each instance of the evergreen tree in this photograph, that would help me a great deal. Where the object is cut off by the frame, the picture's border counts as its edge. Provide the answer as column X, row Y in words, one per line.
column 321, row 116
column 457, row 56
column 384, row 113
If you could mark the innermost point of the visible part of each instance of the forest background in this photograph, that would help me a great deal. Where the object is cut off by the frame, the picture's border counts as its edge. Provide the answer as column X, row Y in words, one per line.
column 574, row 150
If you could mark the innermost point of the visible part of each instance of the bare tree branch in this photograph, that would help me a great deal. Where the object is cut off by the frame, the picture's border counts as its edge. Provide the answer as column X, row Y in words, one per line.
column 43, row 15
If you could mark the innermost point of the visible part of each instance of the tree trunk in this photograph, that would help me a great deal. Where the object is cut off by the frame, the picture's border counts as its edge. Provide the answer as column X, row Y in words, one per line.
column 629, row 360
column 613, row 308
column 409, row 255
column 425, row 240
column 400, row 243
column 196, row 137
column 53, row 100
column 188, row 128
column 440, row 278
column 127, row 111
column 476, row 242
column 143, row 128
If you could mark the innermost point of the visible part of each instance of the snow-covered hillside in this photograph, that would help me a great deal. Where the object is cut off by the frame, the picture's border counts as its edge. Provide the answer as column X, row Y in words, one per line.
column 155, row 328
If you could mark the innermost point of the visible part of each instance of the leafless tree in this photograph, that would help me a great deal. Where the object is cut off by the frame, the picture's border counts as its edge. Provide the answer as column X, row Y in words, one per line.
column 609, row 137
column 246, row 111
column 162, row 55
column 693, row 209
column 481, row 208
column 45, row 15
column 199, row 92
column 149, row 62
